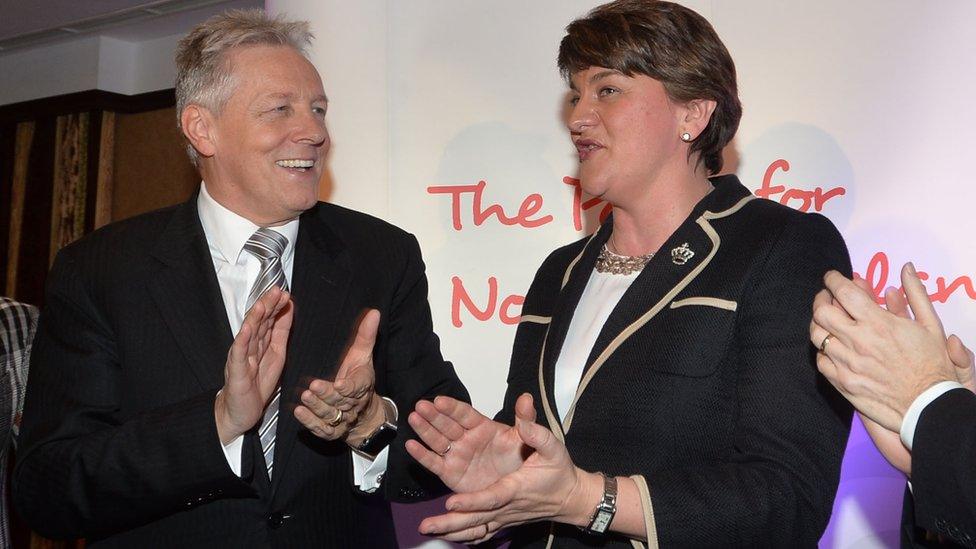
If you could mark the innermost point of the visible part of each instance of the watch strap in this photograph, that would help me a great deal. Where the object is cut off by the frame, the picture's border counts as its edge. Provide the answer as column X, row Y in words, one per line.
column 606, row 509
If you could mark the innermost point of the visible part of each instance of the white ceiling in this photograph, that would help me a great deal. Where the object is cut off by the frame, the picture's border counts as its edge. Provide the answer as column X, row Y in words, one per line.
column 26, row 23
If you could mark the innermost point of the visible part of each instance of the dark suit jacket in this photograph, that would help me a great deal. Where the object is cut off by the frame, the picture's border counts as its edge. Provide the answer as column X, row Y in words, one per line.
column 703, row 380
column 119, row 439
column 942, row 502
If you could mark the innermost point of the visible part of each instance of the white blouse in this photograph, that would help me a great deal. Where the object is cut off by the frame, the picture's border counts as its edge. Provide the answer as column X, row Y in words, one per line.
column 603, row 292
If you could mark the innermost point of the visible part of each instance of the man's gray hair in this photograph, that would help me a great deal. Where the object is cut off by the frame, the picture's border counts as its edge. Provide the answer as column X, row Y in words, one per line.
column 204, row 76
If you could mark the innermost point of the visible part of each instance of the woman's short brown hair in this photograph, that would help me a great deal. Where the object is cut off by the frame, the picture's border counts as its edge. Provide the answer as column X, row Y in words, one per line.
column 669, row 43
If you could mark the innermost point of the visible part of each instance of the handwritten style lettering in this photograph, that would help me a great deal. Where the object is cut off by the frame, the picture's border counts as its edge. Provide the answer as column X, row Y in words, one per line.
column 816, row 198
column 460, row 296
column 530, row 207
column 878, row 272
column 579, row 206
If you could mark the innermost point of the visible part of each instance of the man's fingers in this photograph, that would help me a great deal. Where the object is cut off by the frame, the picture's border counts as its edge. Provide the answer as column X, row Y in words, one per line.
column 896, row 303
column 326, row 391
column 317, row 406
column 828, row 369
column 835, row 321
column 858, row 303
column 361, row 349
column 355, row 384
column 918, row 300
column 237, row 355
column 963, row 360
column 961, row 356
column 315, row 425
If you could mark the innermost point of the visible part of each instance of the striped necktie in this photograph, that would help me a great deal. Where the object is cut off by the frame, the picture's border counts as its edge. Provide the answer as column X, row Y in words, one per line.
column 268, row 245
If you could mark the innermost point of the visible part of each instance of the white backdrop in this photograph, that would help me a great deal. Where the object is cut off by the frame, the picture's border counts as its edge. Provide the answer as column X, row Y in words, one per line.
column 859, row 110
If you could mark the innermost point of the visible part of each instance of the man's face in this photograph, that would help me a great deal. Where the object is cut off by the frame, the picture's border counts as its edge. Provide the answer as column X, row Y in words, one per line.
column 269, row 140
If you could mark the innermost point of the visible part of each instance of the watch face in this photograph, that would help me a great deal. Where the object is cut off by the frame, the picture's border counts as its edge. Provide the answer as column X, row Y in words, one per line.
column 601, row 522
column 379, row 440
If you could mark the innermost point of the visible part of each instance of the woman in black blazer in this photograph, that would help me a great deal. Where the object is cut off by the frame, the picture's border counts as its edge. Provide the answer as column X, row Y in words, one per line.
column 666, row 356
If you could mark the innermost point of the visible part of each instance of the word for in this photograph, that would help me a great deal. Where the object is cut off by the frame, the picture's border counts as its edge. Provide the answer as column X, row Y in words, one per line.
column 816, row 198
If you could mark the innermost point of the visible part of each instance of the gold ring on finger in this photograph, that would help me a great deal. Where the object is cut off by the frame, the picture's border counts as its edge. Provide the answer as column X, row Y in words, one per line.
column 823, row 344
column 336, row 420
column 446, row 450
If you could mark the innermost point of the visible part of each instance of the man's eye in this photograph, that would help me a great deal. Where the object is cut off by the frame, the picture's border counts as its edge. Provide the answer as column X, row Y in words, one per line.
column 319, row 110
column 574, row 100
column 608, row 91
column 281, row 108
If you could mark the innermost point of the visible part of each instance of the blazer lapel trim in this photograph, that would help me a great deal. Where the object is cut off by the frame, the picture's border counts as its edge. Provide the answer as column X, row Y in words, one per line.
column 569, row 268
column 703, row 222
column 562, row 312
column 535, row 319
column 554, row 424
column 187, row 294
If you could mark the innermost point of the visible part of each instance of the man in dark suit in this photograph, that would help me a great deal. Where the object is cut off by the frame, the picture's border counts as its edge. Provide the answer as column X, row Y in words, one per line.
column 141, row 428
column 914, row 390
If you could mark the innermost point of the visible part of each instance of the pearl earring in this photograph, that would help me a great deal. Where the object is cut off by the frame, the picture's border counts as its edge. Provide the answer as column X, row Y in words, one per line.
column 686, row 137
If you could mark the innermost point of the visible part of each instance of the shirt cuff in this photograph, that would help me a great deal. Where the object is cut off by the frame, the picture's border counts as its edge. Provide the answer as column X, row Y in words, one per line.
column 914, row 413
column 367, row 475
column 232, row 451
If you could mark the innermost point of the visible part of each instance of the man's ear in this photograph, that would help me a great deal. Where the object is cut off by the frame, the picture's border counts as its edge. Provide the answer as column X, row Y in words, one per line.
column 697, row 113
column 198, row 127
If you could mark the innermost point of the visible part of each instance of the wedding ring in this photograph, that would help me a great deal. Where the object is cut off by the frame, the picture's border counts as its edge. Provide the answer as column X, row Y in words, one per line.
column 446, row 450
column 336, row 420
column 823, row 344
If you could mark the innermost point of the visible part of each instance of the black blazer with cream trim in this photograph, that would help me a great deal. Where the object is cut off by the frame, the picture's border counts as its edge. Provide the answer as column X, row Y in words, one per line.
column 703, row 382
column 119, row 442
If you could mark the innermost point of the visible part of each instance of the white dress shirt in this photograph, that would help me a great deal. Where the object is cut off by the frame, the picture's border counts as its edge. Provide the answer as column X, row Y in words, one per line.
column 237, row 270
column 602, row 293
column 914, row 412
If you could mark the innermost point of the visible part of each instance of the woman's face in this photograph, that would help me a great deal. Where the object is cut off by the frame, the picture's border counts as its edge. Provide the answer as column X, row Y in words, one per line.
column 626, row 131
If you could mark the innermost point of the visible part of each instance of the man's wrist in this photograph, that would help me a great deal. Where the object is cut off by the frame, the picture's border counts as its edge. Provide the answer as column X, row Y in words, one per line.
column 914, row 413
column 225, row 431
column 367, row 423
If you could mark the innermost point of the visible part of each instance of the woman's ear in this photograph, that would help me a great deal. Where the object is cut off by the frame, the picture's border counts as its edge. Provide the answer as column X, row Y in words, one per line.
column 198, row 127
column 697, row 113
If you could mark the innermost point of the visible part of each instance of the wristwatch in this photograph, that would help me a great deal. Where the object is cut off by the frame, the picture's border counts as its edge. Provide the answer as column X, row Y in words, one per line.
column 383, row 435
column 606, row 509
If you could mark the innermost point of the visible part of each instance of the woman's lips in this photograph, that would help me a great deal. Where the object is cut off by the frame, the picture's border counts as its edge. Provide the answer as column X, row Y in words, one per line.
column 586, row 147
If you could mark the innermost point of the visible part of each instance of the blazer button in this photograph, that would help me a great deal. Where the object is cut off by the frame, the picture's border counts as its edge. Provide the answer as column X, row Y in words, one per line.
column 275, row 520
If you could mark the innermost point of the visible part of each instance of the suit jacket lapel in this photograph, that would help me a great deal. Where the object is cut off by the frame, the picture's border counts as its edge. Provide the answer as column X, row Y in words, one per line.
column 320, row 289
column 186, row 291
column 661, row 274
column 564, row 308
column 679, row 260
